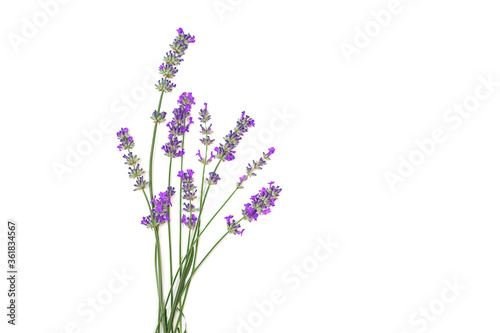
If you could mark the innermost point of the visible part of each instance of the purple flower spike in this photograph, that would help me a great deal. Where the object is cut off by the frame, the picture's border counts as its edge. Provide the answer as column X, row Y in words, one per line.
column 256, row 165
column 187, row 100
column 173, row 147
column 160, row 206
column 261, row 203
column 146, row 221
column 160, row 209
column 158, row 117
column 168, row 70
column 126, row 141
column 225, row 152
column 200, row 157
column 213, row 178
column 135, row 170
column 140, row 183
column 233, row 227
column 131, row 159
column 189, row 222
column 173, row 58
column 204, row 115
column 270, row 152
column 179, row 125
column 165, row 85
column 244, row 123
column 188, row 188
column 181, row 42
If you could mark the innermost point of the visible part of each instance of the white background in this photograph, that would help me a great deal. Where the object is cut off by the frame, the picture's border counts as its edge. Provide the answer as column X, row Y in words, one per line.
column 342, row 126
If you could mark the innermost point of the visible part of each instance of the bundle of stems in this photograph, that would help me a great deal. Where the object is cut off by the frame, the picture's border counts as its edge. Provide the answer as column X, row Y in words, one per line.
column 171, row 302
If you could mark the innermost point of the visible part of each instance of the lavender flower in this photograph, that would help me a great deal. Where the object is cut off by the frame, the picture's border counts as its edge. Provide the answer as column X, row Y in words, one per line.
column 261, row 203
column 126, row 141
column 146, row 220
column 158, row 117
column 202, row 160
column 243, row 124
column 225, row 152
column 179, row 125
column 189, row 222
column 173, row 58
column 188, row 187
column 233, row 227
column 165, row 85
column 140, row 183
column 160, row 209
column 168, row 70
column 180, row 122
column 213, row 178
column 186, row 99
column 189, row 207
column 205, row 118
column 135, row 170
column 130, row 159
column 255, row 165
column 160, row 205
column 189, row 190
column 173, row 147
column 204, row 115
column 181, row 42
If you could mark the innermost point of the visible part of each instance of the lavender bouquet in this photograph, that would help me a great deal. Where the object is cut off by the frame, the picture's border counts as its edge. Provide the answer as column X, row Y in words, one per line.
column 171, row 302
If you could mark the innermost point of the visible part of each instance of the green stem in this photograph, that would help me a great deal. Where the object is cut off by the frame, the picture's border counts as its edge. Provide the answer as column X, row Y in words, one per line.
column 194, row 271
column 208, row 188
column 191, row 248
column 159, row 280
column 160, row 300
column 164, row 306
column 187, row 257
column 180, row 288
column 159, row 272
column 201, row 199
column 158, row 265
column 177, row 273
column 153, row 150
column 202, row 205
column 149, row 204
column 169, row 232
column 180, row 204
